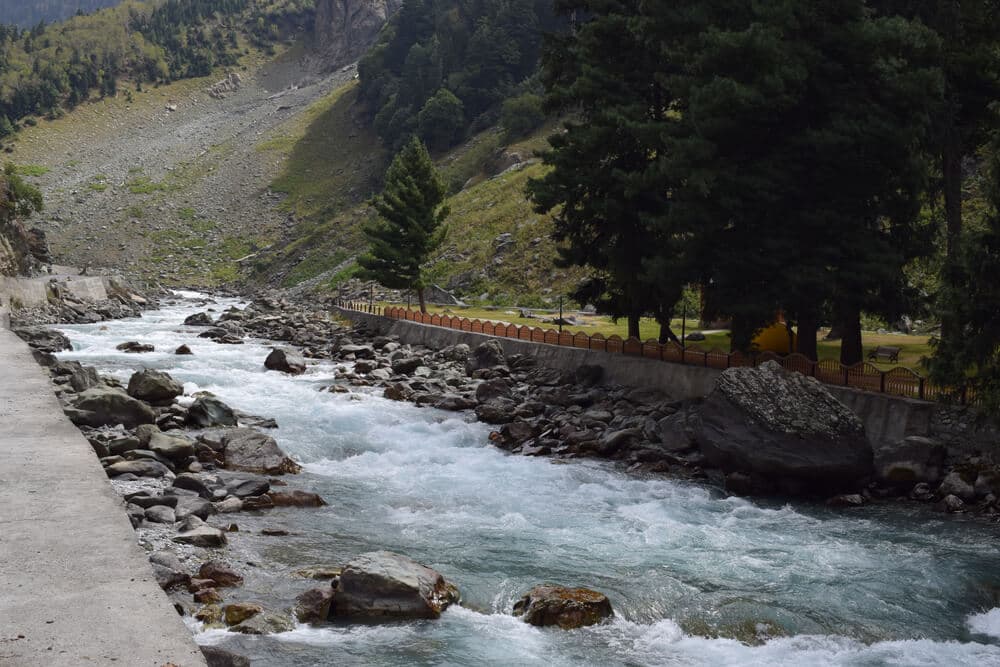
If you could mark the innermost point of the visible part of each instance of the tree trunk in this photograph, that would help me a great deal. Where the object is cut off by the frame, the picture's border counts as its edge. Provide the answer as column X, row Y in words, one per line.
column 633, row 326
column 851, row 349
column 741, row 334
column 805, row 342
column 420, row 297
column 667, row 334
column 951, row 166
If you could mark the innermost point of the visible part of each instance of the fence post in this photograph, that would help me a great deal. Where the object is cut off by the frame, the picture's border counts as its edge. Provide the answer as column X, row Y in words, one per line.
column 881, row 386
column 847, row 377
column 920, row 389
column 964, row 397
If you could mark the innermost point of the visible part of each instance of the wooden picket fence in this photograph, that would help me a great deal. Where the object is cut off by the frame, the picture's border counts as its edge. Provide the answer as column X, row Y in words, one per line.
column 900, row 381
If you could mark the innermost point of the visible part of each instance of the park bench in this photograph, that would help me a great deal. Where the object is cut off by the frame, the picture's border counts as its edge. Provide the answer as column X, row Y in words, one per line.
column 885, row 353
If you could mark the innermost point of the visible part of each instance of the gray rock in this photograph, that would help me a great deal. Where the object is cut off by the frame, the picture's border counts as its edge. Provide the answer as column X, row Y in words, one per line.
column 266, row 623
column 285, row 361
column 208, row 411
column 173, row 447
column 105, row 406
column 406, row 365
column 676, row 432
column 167, row 559
column 199, row 320
column 202, row 536
column 139, row 468
column 496, row 411
column 147, row 501
column 198, row 507
column 135, row 347
column 359, row 351
column 951, row 503
column 244, row 488
column 220, row 657
column 251, row 451
column 455, row 403
column 84, row 378
column 493, row 389
column 384, row 584
column 909, row 461
column 567, row 608
column 194, row 483
column 160, row 514
column 958, row 484
column 119, row 446
column 154, row 387
column 613, row 441
column 486, row 355
column 783, row 426
column 229, row 506
column 45, row 340
column 169, row 578
column 313, row 605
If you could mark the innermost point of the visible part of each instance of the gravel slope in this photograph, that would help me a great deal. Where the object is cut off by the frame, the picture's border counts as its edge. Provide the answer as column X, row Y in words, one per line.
column 171, row 196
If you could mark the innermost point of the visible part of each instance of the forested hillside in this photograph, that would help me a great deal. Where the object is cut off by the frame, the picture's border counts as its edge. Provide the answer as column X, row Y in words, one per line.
column 444, row 69
column 50, row 69
column 27, row 13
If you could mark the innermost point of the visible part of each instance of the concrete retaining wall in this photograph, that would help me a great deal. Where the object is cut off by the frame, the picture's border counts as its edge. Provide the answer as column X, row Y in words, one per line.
column 887, row 419
column 31, row 292
column 75, row 588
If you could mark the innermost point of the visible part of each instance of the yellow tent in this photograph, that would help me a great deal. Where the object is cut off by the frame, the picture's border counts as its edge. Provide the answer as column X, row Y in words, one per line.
column 775, row 339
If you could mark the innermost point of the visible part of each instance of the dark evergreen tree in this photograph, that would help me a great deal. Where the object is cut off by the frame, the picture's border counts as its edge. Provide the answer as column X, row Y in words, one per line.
column 410, row 225
column 971, row 299
column 602, row 184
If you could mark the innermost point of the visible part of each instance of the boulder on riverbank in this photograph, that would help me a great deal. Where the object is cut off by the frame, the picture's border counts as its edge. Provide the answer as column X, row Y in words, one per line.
column 382, row 584
column 285, row 361
column 567, row 608
column 208, row 411
column 785, row 428
column 155, row 387
column 252, row 451
column 106, row 406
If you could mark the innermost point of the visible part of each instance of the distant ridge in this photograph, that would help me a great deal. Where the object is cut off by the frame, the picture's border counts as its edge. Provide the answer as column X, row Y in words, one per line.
column 27, row 13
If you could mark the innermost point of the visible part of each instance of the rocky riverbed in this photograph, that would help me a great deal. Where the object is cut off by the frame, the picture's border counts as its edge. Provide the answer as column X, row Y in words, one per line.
column 682, row 565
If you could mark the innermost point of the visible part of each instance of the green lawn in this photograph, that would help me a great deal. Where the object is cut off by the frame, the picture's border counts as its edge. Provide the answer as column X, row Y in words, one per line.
column 914, row 348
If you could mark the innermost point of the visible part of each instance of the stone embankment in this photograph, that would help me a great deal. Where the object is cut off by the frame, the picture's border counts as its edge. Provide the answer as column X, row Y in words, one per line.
column 924, row 451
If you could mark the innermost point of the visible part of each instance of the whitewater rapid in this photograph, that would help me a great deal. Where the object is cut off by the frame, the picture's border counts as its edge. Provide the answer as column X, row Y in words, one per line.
column 681, row 562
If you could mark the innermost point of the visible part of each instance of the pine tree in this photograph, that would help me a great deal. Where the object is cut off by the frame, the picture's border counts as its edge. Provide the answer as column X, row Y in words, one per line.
column 797, row 138
column 410, row 225
column 602, row 183
column 970, row 299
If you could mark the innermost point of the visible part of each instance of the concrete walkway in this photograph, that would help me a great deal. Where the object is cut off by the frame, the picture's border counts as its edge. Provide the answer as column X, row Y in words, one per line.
column 75, row 587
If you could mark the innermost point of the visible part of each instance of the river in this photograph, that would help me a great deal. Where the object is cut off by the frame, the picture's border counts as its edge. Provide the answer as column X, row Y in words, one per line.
column 685, row 566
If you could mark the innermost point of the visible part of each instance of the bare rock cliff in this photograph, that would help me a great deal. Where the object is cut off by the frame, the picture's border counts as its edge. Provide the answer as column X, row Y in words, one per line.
column 346, row 28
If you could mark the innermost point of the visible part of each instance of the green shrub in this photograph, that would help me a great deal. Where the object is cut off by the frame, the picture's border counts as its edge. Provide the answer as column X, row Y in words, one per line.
column 520, row 115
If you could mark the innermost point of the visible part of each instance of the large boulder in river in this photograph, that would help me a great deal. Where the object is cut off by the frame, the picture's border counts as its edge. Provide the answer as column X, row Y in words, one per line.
column 285, row 361
column 208, row 411
column 784, row 427
column 382, row 584
column 566, row 607
column 154, row 387
column 199, row 320
column 252, row 451
column 106, row 406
